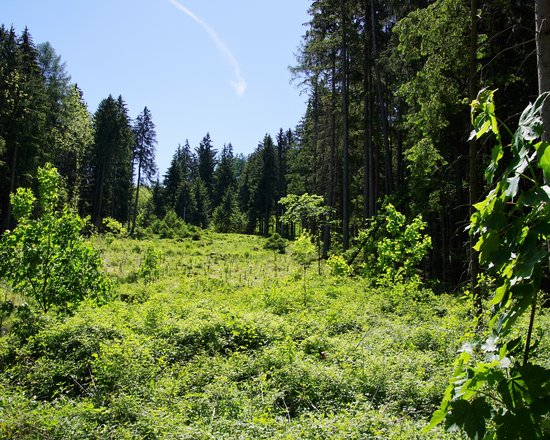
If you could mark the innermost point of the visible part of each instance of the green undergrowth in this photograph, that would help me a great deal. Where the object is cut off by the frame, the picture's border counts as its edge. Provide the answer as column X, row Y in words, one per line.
column 220, row 340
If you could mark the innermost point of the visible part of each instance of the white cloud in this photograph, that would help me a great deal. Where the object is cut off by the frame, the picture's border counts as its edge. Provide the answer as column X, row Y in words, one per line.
column 238, row 84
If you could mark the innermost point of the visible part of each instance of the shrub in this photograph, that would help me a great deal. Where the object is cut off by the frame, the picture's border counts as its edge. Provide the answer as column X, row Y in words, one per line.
column 46, row 258
column 276, row 243
column 338, row 266
column 172, row 226
column 394, row 248
column 113, row 227
column 149, row 270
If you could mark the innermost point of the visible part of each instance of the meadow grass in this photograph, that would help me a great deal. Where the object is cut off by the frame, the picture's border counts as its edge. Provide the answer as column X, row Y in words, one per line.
column 220, row 340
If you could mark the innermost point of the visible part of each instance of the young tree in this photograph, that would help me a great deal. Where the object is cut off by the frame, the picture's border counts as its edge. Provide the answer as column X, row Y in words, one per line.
column 45, row 258
column 144, row 154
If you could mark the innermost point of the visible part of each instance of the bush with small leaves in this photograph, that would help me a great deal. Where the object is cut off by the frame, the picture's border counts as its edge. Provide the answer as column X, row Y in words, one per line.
column 149, row 270
column 338, row 266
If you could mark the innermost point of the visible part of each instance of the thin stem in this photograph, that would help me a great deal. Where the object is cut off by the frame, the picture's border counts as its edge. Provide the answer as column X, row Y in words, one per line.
column 530, row 330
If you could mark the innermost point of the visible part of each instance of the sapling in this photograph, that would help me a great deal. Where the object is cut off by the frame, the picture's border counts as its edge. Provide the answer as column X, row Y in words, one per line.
column 304, row 251
column 45, row 257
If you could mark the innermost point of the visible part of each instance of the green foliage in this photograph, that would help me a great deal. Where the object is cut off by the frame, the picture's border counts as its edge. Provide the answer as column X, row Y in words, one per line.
column 110, row 162
column 45, row 258
column 338, row 266
column 303, row 250
column 210, row 356
column 497, row 391
column 394, row 248
column 307, row 210
column 113, row 227
column 431, row 107
column 149, row 270
column 172, row 226
column 226, row 216
column 276, row 243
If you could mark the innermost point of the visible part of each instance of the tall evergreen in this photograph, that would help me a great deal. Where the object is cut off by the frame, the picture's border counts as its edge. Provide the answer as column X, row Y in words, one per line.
column 22, row 114
column 224, row 174
column 178, row 183
column 267, row 185
column 144, row 154
column 206, row 164
column 111, row 162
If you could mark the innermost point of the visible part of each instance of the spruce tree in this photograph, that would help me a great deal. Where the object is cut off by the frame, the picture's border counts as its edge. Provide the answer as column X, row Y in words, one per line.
column 224, row 174
column 144, row 154
column 267, row 188
column 206, row 163
column 22, row 114
column 111, row 162
column 178, row 183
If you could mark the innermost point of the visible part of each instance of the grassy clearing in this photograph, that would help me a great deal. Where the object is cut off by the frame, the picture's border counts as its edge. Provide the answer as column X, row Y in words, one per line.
column 221, row 340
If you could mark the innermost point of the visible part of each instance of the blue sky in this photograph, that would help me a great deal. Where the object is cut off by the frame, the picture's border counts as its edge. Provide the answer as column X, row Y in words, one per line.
column 200, row 66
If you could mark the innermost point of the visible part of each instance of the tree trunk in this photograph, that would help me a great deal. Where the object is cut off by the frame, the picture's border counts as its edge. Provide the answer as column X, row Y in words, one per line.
column 542, row 15
column 473, row 148
column 383, row 114
column 345, row 128
column 332, row 158
column 13, row 175
column 368, row 177
column 134, row 217
column 315, row 131
column 99, row 188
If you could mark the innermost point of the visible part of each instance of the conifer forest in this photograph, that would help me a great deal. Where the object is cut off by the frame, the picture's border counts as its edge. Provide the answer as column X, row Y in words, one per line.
column 380, row 270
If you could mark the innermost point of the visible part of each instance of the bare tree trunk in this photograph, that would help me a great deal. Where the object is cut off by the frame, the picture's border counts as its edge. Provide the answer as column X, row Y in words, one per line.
column 332, row 160
column 542, row 15
column 134, row 217
column 98, row 199
column 315, row 131
column 345, row 128
column 383, row 114
column 368, row 178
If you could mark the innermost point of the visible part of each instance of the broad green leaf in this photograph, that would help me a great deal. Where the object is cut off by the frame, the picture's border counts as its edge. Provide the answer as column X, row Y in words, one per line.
column 496, row 154
column 469, row 416
column 544, row 160
column 530, row 122
column 501, row 294
column 518, row 425
column 437, row 417
column 537, row 195
column 526, row 266
column 537, row 380
column 514, row 392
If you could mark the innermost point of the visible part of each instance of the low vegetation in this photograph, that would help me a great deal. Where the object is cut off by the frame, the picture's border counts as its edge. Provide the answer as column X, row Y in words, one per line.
column 223, row 343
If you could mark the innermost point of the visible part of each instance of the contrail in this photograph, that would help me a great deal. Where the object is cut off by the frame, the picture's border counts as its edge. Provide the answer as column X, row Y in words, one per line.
column 238, row 84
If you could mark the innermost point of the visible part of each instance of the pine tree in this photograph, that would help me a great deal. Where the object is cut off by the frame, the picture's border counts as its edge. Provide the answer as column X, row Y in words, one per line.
column 178, row 183
column 22, row 114
column 111, row 162
column 206, row 163
column 224, row 174
column 144, row 154
column 267, row 187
